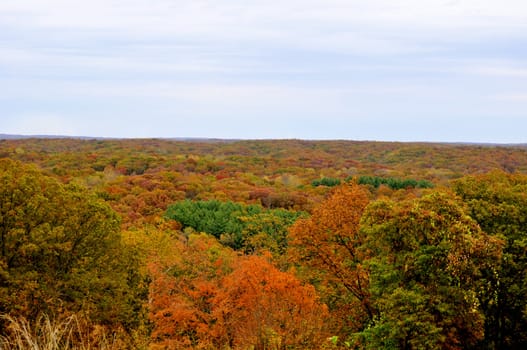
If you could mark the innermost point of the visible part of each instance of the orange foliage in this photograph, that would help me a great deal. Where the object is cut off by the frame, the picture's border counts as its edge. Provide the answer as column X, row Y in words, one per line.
column 328, row 242
column 182, row 290
column 207, row 297
column 264, row 308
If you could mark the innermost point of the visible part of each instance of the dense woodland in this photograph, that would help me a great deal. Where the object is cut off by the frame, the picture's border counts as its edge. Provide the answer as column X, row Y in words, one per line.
column 276, row 244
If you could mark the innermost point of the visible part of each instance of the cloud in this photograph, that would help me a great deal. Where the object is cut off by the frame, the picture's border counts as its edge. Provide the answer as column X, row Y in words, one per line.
column 207, row 36
column 512, row 97
column 503, row 70
column 324, row 24
column 321, row 61
column 39, row 124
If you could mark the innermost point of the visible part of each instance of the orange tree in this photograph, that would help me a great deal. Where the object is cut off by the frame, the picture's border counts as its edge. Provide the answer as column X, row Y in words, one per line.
column 206, row 296
column 264, row 308
column 327, row 244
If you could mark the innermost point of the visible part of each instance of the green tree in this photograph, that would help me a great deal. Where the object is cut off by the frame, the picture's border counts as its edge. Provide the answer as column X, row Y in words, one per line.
column 498, row 202
column 239, row 226
column 213, row 217
column 61, row 251
column 325, row 181
column 393, row 183
column 428, row 262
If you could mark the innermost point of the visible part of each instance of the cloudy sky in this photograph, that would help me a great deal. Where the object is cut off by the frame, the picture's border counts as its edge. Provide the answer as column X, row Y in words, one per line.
column 401, row 70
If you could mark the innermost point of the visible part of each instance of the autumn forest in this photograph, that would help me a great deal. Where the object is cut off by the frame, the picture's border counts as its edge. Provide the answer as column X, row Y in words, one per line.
column 262, row 244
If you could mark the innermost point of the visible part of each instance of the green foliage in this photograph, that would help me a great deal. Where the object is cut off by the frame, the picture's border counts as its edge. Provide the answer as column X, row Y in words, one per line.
column 393, row 183
column 268, row 230
column 498, row 202
column 61, row 251
column 428, row 259
column 236, row 225
column 213, row 217
column 326, row 181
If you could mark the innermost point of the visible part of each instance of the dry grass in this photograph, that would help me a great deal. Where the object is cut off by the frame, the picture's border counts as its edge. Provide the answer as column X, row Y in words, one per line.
column 46, row 334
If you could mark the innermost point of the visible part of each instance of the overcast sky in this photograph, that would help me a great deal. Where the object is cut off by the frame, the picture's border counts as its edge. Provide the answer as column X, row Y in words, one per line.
column 400, row 70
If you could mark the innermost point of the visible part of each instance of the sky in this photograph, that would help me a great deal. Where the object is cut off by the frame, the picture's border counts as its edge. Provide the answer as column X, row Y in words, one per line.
column 386, row 70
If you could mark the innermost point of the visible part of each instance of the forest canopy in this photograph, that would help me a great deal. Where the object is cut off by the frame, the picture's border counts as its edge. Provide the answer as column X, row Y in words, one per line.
column 279, row 244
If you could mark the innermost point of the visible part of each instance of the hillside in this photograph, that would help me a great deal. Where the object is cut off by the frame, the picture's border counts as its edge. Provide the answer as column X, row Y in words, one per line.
column 160, row 243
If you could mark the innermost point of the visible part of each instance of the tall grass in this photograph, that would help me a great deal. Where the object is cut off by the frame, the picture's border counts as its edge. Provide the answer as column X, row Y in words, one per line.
column 46, row 334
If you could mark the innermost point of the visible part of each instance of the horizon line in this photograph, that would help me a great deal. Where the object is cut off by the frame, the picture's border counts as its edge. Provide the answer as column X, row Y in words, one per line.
column 8, row 136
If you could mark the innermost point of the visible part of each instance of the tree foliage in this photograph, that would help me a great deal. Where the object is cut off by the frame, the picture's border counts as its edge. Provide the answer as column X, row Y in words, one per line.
column 208, row 297
column 60, row 251
column 498, row 202
column 393, row 183
column 44, row 216
column 268, row 309
column 237, row 225
column 429, row 261
column 414, row 270
column 328, row 243
column 325, row 181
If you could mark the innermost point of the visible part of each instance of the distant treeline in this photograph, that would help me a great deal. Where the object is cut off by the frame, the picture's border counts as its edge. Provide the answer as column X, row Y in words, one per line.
column 394, row 183
column 376, row 181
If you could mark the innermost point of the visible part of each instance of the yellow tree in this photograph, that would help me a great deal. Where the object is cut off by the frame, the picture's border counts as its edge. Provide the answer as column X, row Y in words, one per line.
column 61, row 251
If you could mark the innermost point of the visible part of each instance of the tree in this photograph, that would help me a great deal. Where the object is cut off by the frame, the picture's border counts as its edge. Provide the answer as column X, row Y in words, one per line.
column 393, row 183
column 236, row 224
column 325, row 181
column 213, row 217
column 184, row 284
column 428, row 262
column 327, row 243
column 264, row 308
column 60, row 250
column 498, row 202
column 208, row 297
